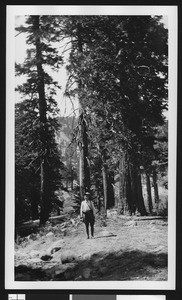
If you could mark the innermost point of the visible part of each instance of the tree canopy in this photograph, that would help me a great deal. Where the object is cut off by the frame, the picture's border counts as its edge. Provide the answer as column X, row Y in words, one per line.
column 118, row 69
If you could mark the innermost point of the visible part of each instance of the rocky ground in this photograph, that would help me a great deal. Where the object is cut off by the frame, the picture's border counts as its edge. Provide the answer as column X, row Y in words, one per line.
column 124, row 248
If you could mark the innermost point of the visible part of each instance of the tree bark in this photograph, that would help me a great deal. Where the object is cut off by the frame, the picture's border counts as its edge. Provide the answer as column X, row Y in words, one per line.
column 72, row 179
column 122, row 203
column 137, row 202
column 104, row 175
column 134, row 191
column 81, row 182
column 149, row 195
column 156, row 192
column 34, row 203
column 84, row 171
column 110, row 190
column 141, row 205
column 44, row 195
column 131, row 206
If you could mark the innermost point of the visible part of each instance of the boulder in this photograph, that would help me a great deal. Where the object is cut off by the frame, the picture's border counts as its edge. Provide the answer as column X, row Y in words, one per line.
column 153, row 222
column 67, row 257
column 64, row 231
column 65, row 271
column 73, row 222
column 57, row 257
column 55, row 249
column 112, row 213
column 46, row 257
column 56, row 246
column 49, row 234
column 34, row 253
column 78, row 278
column 32, row 236
column 158, row 249
column 34, row 261
column 130, row 223
column 50, row 251
column 86, row 256
column 86, row 273
column 106, row 233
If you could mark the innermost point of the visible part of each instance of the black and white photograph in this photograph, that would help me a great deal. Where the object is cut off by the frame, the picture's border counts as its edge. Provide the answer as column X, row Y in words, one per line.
column 91, row 113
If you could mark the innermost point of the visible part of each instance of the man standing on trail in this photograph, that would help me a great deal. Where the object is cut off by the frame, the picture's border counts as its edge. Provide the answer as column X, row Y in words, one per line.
column 87, row 212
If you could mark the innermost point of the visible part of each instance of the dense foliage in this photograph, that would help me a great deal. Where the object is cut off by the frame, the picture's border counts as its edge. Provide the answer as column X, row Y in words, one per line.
column 119, row 65
column 118, row 70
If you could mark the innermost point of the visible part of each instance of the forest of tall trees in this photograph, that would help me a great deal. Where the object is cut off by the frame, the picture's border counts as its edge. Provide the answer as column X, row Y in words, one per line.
column 118, row 71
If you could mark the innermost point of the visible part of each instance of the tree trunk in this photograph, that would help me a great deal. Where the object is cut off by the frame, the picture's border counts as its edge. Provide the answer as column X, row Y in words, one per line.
column 141, row 205
column 156, row 192
column 99, row 193
column 131, row 206
column 44, row 215
column 34, row 203
column 134, row 191
column 72, row 182
column 44, row 195
column 110, row 190
column 84, row 171
column 104, row 175
column 149, row 195
column 137, row 202
column 81, row 174
column 85, row 156
column 122, row 203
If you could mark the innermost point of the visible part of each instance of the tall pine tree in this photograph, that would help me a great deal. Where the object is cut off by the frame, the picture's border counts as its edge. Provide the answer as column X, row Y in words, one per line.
column 39, row 90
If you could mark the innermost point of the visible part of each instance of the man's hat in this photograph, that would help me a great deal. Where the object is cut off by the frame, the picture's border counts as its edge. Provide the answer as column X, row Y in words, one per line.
column 87, row 193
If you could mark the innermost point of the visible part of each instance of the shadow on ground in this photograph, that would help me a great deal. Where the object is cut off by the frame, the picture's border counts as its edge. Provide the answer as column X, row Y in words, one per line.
column 119, row 266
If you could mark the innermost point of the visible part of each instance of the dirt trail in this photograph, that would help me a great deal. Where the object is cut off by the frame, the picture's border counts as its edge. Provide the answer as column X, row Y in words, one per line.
column 127, row 248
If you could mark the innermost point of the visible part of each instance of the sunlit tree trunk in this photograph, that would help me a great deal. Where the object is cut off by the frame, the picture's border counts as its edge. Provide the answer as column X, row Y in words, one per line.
column 141, row 205
column 84, row 170
column 122, row 203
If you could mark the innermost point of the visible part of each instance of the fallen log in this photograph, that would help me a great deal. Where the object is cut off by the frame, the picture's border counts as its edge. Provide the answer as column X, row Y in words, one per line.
column 150, row 218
